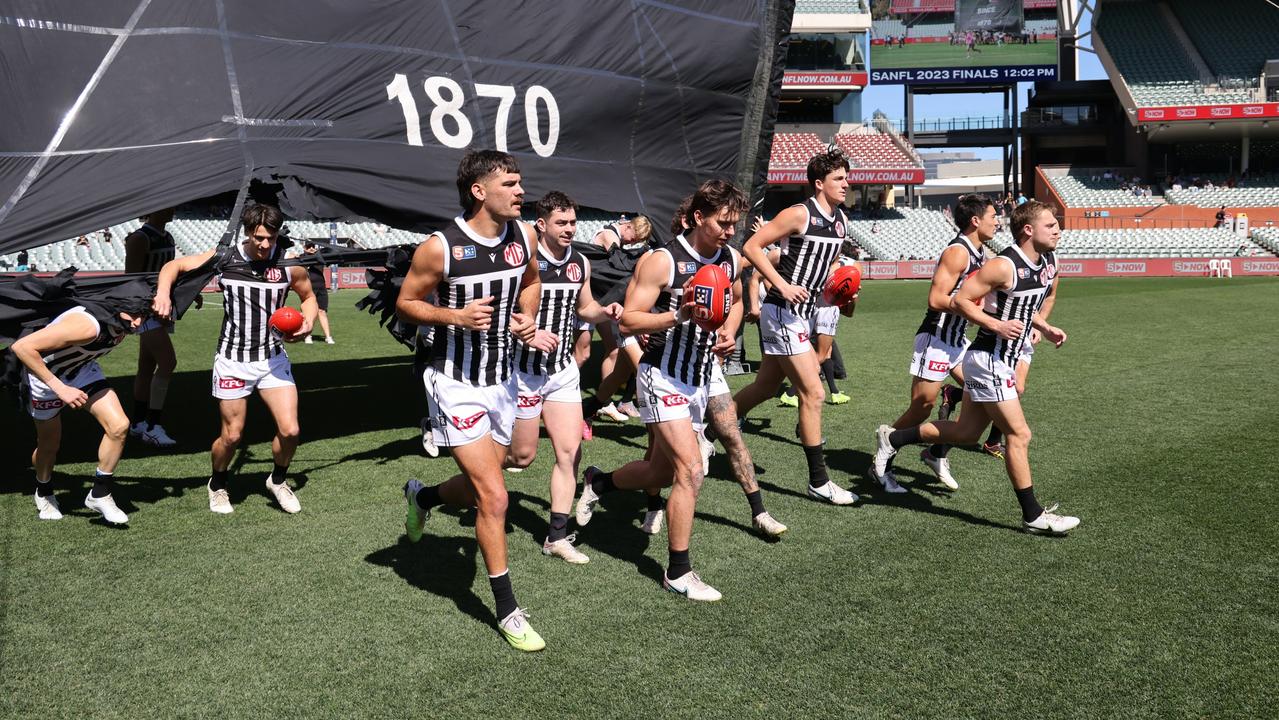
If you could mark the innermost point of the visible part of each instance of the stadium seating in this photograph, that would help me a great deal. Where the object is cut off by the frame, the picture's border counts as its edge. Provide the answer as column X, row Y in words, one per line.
column 903, row 234
column 1157, row 71
column 1267, row 238
column 1259, row 192
column 1079, row 189
column 830, row 7
column 1176, row 242
column 907, row 7
column 873, row 150
column 1234, row 37
column 794, row 150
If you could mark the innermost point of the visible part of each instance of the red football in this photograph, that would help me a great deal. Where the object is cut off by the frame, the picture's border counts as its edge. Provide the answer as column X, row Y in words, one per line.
column 842, row 285
column 711, row 295
column 286, row 320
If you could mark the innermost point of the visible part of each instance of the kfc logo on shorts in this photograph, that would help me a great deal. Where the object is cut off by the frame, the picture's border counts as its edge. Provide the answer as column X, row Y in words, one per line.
column 274, row 274
column 938, row 366
column 514, row 254
column 803, row 337
column 574, row 273
column 674, row 400
column 45, row 404
column 1010, row 382
column 230, row 384
column 468, row 422
column 529, row 401
column 839, row 229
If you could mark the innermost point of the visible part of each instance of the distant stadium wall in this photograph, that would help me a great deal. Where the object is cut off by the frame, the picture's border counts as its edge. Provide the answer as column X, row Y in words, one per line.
column 1109, row 267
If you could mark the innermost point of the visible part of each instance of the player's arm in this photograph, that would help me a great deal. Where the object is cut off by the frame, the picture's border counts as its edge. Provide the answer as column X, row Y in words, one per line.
column 136, row 247
column 524, row 322
column 790, row 221
column 588, row 308
column 647, row 283
column 74, row 329
column 423, row 277
column 951, row 265
column 1055, row 335
column 726, row 335
column 162, row 305
column 300, row 283
column 994, row 275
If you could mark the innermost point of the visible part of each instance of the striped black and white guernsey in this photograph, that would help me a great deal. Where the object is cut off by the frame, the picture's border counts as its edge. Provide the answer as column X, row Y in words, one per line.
column 68, row 361
column 806, row 258
column 612, row 228
column 251, row 291
column 684, row 351
column 477, row 267
column 160, row 248
column 950, row 327
column 1031, row 284
column 556, row 312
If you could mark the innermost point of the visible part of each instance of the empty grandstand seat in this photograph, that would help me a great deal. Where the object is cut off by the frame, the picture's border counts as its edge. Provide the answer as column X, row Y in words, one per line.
column 794, row 150
column 873, row 150
column 1078, row 189
column 826, row 7
column 1234, row 37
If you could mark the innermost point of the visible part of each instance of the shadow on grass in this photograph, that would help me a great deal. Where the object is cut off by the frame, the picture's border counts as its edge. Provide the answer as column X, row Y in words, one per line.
column 443, row 566
column 923, row 488
column 613, row 532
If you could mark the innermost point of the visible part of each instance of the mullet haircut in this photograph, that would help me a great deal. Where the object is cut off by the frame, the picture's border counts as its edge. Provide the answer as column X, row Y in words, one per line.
column 969, row 207
column 477, row 165
column 267, row 216
column 713, row 197
column 552, row 201
column 1025, row 214
column 824, row 164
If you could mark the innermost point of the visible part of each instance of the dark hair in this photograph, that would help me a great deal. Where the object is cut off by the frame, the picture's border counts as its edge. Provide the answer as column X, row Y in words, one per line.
column 969, row 207
column 681, row 213
column 477, row 165
column 552, row 201
column 267, row 216
column 1025, row 214
column 825, row 163
column 714, row 196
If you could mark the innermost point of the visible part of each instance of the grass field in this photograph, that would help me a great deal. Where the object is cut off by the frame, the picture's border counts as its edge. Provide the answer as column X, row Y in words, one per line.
column 945, row 55
column 1155, row 423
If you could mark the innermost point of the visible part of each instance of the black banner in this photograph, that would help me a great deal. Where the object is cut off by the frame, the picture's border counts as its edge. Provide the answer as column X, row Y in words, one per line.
column 992, row 15
column 359, row 110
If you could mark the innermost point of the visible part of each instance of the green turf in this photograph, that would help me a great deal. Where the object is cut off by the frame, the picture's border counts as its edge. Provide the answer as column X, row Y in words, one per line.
column 1155, row 423
column 945, row 55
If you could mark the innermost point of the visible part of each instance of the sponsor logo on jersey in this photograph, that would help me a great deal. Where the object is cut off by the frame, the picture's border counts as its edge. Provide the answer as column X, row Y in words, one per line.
column 274, row 274
column 1052, row 271
column 839, row 229
column 1023, row 273
column 674, row 400
column 574, row 273
column 45, row 404
column 230, row 384
column 542, row 265
column 939, row 366
column 687, row 268
column 463, row 252
column 514, row 254
column 467, row 423
column 727, row 267
column 529, row 401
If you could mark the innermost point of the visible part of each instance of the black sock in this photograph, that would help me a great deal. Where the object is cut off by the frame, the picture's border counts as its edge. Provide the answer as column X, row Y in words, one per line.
column 590, row 406
column 953, row 395
column 939, row 451
column 559, row 527
column 1030, row 507
column 655, row 503
column 428, row 497
column 905, row 436
column 783, row 389
column 219, row 479
column 679, row 565
column 139, row 410
column 44, row 489
column 628, row 392
column 153, row 417
column 101, row 484
column 278, row 473
column 503, row 595
column 756, row 499
column 828, row 370
column 996, row 436
column 816, row 466
column 602, row 482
